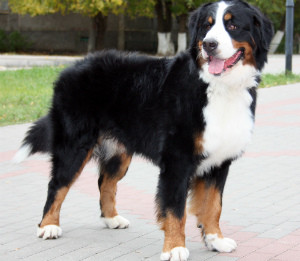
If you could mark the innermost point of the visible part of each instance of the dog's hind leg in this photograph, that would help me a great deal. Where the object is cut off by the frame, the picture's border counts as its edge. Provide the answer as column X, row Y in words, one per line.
column 111, row 171
column 206, row 205
column 67, row 165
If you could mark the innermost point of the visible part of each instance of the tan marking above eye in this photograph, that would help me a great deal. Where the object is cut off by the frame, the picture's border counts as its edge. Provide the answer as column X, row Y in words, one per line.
column 227, row 16
column 210, row 20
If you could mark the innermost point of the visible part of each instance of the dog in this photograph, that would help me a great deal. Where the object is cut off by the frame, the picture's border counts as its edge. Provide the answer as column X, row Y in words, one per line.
column 191, row 115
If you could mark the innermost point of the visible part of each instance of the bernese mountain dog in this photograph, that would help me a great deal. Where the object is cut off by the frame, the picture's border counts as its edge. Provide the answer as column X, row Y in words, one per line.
column 191, row 115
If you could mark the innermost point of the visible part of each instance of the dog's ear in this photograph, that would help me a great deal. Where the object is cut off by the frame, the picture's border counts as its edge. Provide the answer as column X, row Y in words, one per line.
column 264, row 28
column 193, row 24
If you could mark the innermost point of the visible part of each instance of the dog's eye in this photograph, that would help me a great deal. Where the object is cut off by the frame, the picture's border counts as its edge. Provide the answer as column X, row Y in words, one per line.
column 208, row 27
column 231, row 27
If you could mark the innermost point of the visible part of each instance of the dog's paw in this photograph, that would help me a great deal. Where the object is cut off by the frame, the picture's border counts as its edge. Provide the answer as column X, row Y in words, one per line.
column 176, row 254
column 116, row 222
column 215, row 243
column 49, row 232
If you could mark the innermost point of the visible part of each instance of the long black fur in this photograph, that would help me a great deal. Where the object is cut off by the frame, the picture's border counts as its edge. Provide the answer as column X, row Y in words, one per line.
column 151, row 106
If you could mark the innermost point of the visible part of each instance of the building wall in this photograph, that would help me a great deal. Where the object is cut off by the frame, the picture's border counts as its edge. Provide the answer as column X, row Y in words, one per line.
column 58, row 33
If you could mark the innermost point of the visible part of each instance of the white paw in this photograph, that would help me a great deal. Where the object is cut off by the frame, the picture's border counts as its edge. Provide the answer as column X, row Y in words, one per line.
column 49, row 232
column 176, row 254
column 116, row 222
column 213, row 242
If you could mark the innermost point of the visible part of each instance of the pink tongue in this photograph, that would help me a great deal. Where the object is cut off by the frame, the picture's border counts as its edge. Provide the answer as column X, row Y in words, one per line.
column 216, row 66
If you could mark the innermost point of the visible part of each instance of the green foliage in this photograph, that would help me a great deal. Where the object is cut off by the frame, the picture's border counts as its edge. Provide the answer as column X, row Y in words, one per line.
column 38, row 7
column 87, row 7
column 93, row 7
column 13, row 42
column 3, row 41
column 180, row 7
column 136, row 8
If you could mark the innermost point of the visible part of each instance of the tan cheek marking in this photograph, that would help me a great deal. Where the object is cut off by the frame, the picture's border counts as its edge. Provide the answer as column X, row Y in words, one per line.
column 227, row 16
column 198, row 144
column 108, row 188
column 248, row 53
column 201, row 60
column 174, row 229
column 205, row 204
column 52, row 216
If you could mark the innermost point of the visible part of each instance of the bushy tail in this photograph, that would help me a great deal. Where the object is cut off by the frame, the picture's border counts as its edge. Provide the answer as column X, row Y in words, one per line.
column 37, row 139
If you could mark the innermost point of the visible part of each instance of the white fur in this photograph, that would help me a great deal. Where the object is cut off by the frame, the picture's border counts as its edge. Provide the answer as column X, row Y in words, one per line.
column 116, row 222
column 22, row 154
column 108, row 147
column 49, row 232
column 218, row 33
column 213, row 242
column 176, row 254
column 228, row 118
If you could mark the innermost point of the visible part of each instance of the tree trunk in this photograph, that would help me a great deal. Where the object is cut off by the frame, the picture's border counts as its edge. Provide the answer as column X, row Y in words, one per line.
column 164, row 27
column 277, row 38
column 121, row 32
column 97, row 32
column 182, row 36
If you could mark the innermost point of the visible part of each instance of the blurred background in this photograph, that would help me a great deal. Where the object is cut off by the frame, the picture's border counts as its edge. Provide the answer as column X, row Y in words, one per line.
column 80, row 26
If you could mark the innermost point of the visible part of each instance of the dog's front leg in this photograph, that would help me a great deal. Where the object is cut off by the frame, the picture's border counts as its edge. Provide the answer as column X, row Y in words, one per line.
column 171, row 202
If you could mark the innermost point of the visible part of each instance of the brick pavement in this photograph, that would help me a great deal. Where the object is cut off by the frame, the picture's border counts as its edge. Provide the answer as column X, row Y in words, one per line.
column 261, row 200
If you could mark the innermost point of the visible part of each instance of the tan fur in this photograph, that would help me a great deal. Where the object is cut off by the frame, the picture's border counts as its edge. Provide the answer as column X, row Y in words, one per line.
column 227, row 16
column 198, row 143
column 174, row 229
column 52, row 216
column 206, row 206
column 248, row 53
column 108, row 188
column 210, row 20
column 200, row 59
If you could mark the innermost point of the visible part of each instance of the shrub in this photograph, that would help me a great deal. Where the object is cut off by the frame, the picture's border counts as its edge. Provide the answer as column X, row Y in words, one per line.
column 3, row 41
column 13, row 42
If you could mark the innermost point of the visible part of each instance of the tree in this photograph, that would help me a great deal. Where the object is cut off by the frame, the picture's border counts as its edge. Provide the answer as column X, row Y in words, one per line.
column 97, row 10
column 164, row 27
column 181, row 9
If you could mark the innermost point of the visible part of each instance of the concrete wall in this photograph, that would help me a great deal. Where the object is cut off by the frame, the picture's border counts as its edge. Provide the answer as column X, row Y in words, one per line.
column 58, row 33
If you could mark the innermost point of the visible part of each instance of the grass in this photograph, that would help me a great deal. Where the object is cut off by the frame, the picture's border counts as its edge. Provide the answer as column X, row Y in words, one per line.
column 269, row 80
column 25, row 94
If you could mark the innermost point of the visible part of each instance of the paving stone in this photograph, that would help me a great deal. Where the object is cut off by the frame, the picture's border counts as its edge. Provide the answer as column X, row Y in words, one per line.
column 260, row 206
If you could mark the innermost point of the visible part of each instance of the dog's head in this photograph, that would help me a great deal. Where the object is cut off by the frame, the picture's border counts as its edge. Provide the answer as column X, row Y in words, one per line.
column 227, row 33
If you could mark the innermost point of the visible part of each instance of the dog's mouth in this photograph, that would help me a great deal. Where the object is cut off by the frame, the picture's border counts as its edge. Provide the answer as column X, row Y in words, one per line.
column 217, row 66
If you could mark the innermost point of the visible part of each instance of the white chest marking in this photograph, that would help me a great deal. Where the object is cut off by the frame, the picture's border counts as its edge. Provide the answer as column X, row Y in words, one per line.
column 229, row 125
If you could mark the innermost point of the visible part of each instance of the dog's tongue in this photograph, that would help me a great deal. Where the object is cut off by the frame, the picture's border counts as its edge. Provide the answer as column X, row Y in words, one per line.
column 216, row 66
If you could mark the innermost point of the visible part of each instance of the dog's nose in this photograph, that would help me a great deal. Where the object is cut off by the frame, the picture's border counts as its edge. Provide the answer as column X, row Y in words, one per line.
column 210, row 45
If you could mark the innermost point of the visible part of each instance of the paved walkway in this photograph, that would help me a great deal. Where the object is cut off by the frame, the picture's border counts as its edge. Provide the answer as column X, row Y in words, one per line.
column 276, row 62
column 261, row 200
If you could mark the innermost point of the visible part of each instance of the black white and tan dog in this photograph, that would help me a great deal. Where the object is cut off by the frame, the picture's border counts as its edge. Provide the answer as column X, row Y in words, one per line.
column 191, row 115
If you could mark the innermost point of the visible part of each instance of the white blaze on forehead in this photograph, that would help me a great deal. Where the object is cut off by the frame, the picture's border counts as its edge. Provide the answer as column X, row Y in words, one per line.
column 219, row 34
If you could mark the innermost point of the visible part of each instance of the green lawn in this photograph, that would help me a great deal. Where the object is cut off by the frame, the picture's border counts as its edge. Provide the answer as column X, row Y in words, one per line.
column 25, row 94
column 269, row 80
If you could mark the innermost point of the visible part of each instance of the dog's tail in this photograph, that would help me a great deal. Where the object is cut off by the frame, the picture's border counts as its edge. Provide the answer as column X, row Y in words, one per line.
column 37, row 139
